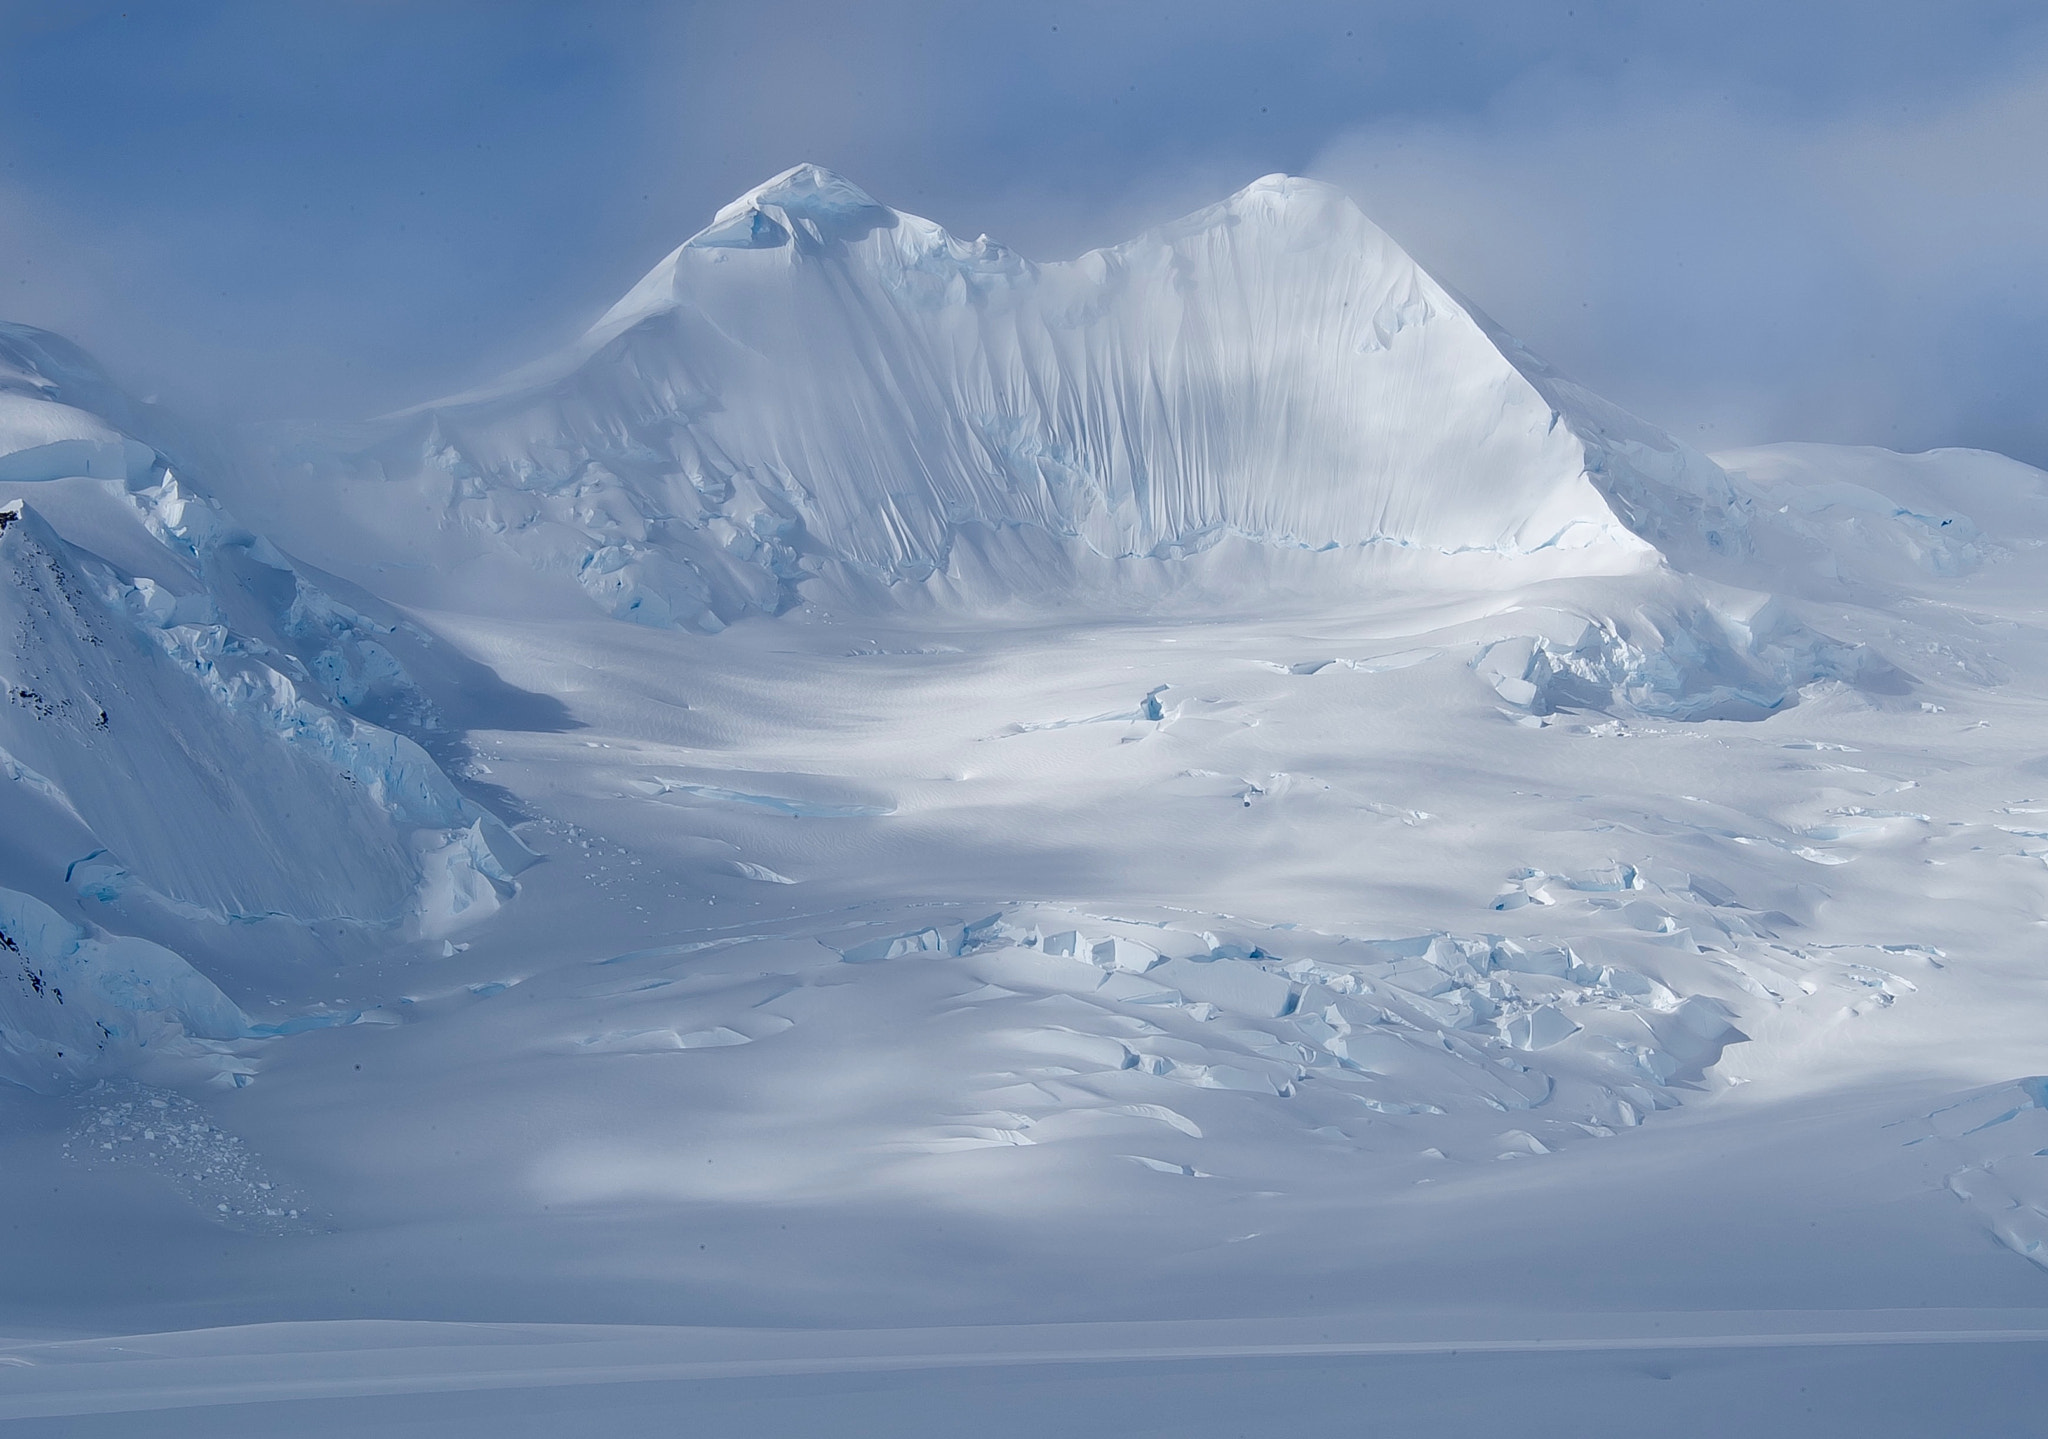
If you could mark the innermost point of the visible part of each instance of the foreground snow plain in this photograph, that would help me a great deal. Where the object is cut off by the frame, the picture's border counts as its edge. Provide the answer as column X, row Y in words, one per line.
column 1103, row 937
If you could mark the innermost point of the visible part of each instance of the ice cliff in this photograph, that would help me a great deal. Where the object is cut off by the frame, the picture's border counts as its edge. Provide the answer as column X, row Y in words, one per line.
column 74, row 1003
column 185, row 751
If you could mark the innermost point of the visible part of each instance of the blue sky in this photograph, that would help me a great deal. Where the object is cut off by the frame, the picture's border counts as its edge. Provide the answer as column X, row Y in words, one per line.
column 1746, row 221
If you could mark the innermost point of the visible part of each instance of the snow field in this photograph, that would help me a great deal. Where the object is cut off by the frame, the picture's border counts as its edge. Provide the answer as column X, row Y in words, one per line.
column 1199, row 783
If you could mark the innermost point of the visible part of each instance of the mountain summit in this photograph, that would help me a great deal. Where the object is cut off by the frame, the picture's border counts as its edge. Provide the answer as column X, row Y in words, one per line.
column 1268, row 392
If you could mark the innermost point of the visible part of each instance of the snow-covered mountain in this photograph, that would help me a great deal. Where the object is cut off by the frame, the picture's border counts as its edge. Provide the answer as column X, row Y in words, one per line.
column 1204, row 780
column 1267, row 395
column 184, row 736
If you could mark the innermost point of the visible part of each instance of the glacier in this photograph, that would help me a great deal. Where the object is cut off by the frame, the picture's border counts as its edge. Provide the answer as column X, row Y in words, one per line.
column 820, row 400
column 126, row 997
column 903, row 838
column 185, row 737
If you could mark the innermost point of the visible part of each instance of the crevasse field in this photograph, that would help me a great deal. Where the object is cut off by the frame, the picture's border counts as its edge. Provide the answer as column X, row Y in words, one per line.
column 903, row 841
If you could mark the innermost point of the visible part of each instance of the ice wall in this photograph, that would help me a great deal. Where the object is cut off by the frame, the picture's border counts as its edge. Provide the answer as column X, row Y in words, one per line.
column 205, row 774
column 184, row 737
column 75, row 1002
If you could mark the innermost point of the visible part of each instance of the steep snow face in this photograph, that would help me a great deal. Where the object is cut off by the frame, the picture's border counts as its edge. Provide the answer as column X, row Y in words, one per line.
column 202, row 772
column 817, row 384
column 72, row 1001
column 183, row 742
column 61, row 415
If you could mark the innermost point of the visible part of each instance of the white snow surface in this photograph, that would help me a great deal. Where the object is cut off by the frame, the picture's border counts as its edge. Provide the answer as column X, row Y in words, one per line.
column 1181, row 842
column 817, row 384
column 183, row 740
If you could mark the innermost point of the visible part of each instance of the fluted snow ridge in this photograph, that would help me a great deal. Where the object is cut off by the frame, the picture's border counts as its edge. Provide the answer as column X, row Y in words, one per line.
column 816, row 384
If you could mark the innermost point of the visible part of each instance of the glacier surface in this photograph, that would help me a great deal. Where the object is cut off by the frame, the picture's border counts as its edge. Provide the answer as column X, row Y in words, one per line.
column 1169, row 838
column 185, row 740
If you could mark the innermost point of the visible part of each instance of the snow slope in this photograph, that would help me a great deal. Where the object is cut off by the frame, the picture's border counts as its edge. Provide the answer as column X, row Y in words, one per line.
column 182, row 742
column 1279, row 972
column 115, row 696
column 1266, row 393
column 819, row 400
column 1199, row 807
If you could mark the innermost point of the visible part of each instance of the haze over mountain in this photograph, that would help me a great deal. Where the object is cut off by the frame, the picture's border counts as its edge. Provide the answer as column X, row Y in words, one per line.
column 816, row 383
column 1199, row 783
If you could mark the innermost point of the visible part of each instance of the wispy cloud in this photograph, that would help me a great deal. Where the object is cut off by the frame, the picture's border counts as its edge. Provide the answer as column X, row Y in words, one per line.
column 1743, row 219
column 1742, row 273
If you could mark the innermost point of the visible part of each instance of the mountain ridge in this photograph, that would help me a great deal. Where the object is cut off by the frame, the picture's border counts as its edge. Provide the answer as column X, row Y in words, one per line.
column 815, row 384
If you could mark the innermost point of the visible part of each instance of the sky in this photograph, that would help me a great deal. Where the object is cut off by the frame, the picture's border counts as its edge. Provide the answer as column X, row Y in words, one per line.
column 1744, row 221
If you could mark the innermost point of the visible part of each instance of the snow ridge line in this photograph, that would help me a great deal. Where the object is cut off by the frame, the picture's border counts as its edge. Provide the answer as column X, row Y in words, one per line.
column 97, row 1396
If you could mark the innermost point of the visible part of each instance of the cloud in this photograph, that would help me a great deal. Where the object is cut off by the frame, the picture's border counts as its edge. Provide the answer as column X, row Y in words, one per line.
column 1742, row 273
column 1759, row 219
